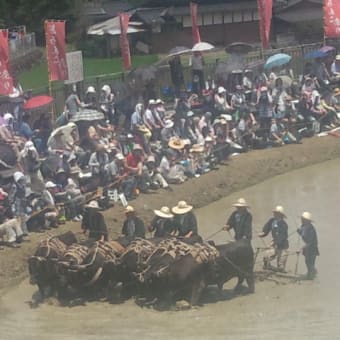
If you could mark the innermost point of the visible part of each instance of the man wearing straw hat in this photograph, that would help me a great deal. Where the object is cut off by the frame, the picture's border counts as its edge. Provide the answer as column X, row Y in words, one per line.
column 162, row 224
column 240, row 221
column 310, row 250
column 185, row 221
column 94, row 222
column 279, row 245
column 133, row 226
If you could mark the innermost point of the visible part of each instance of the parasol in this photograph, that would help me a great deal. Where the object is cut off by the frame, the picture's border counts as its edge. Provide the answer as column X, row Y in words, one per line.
column 88, row 115
column 277, row 60
column 315, row 54
column 239, row 48
column 202, row 46
column 37, row 102
column 178, row 50
column 327, row 49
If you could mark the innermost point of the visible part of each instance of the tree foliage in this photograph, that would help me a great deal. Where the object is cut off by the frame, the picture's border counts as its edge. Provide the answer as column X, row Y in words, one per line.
column 33, row 13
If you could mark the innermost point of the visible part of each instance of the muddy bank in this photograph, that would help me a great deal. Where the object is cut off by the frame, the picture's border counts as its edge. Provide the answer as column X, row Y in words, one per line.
column 242, row 171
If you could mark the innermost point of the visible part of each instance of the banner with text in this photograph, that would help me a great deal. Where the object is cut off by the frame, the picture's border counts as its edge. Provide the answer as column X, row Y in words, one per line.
column 75, row 67
column 265, row 9
column 6, row 81
column 56, row 50
column 332, row 18
column 195, row 30
column 124, row 41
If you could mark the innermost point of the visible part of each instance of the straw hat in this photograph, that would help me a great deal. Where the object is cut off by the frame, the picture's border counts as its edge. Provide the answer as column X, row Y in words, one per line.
column 93, row 205
column 181, row 208
column 208, row 139
column 241, row 202
column 129, row 209
column 190, row 114
column 176, row 143
column 159, row 101
column 197, row 148
column 226, row 117
column 152, row 102
column 337, row 91
column 307, row 216
column 279, row 209
column 164, row 212
column 91, row 89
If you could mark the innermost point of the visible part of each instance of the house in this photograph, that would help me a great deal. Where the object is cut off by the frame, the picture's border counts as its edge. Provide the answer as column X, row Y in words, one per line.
column 298, row 20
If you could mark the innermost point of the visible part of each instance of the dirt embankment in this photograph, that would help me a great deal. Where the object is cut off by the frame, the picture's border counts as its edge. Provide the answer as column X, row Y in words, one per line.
column 241, row 171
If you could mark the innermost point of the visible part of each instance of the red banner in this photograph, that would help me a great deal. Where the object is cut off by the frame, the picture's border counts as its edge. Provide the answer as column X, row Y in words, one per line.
column 124, row 41
column 56, row 50
column 265, row 9
column 332, row 18
column 195, row 30
column 6, row 81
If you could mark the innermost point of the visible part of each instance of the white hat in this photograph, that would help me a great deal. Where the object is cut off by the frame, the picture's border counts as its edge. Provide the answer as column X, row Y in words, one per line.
column 208, row 139
column 29, row 145
column 91, row 89
column 107, row 89
column 151, row 159
column 18, row 176
column 119, row 156
column 241, row 202
column 337, row 57
column 50, row 184
column 190, row 114
column 307, row 216
column 137, row 147
column 152, row 102
column 228, row 118
column 8, row 116
column 168, row 124
column 93, row 205
column 182, row 208
column 221, row 89
column 164, row 212
column 129, row 209
column 264, row 88
column 159, row 101
column 279, row 209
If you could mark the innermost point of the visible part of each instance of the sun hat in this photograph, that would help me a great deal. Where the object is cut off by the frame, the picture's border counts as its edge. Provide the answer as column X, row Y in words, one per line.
column 151, row 159
column 93, row 205
column 197, row 148
column 129, row 209
column 241, row 202
column 159, row 101
column 208, row 139
column 164, row 212
column 227, row 118
column 137, row 147
column 336, row 91
column 307, row 216
column 50, row 185
column 337, row 57
column 168, row 124
column 18, row 175
column 129, row 135
column 190, row 114
column 91, row 89
column 107, row 89
column 152, row 102
column 264, row 88
column 181, row 208
column 279, row 209
column 221, row 89
column 29, row 145
column 176, row 143
column 119, row 156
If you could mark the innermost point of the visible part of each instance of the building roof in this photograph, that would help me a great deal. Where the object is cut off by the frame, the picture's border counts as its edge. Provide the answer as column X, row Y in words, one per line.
column 213, row 8
column 150, row 16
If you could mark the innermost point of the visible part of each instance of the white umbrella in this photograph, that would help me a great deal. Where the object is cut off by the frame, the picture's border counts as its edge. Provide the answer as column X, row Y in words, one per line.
column 202, row 46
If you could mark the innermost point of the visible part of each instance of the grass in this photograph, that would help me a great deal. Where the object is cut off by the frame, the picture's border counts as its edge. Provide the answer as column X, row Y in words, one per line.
column 37, row 77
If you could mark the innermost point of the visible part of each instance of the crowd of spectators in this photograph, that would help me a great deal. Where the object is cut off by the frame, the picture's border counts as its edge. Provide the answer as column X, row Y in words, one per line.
column 154, row 147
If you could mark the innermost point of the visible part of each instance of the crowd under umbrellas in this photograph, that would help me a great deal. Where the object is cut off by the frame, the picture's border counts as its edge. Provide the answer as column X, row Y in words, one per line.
column 102, row 153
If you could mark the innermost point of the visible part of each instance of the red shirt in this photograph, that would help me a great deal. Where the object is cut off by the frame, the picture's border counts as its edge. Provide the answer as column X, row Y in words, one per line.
column 132, row 160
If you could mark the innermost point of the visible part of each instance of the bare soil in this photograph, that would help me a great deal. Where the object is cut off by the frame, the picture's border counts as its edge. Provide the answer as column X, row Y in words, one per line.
column 241, row 171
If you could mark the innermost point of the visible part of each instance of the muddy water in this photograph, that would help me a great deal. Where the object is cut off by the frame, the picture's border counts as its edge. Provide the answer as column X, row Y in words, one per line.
column 307, row 310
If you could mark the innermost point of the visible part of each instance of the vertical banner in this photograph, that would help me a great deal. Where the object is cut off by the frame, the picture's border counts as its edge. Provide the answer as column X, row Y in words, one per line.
column 56, row 50
column 195, row 30
column 124, row 41
column 265, row 9
column 6, row 81
column 332, row 18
